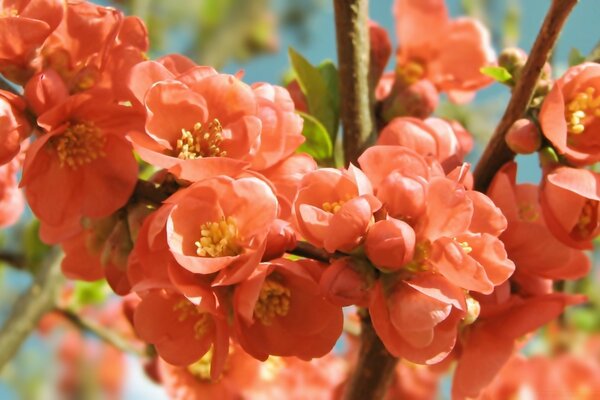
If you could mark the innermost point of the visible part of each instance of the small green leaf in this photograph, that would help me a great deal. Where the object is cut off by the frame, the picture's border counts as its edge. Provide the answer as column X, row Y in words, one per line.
column 90, row 293
column 575, row 57
column 318, row 143
column 499, row 74
column 330, row 74
column 317, row 91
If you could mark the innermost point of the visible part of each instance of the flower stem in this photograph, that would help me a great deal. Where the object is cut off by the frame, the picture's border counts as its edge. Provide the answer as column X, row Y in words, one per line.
column 497, row 153
column 356, row 111
column 31, row 306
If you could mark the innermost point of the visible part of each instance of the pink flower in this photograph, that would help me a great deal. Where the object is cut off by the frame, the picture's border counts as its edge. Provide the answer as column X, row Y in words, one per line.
column 447, row 52
column 14, row 127
column 570, row 114
column 334, row 208
column 570, row 200
column 280, row 311
column 221, row 225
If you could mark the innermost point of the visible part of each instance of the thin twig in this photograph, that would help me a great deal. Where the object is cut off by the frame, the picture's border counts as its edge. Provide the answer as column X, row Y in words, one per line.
column 497, row 152
column 106, row 335
column 307, row 250
column 31, row 306
column 15, row 260
column 356, row 112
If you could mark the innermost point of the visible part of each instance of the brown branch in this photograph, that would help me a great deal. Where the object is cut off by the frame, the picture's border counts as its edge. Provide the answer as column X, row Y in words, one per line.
column 31, row 306
column 375, row 367
column 497, row 152
column 106, row 335
column 356, row 109
column 307, row 250
column 371, row 375
column 15, row 260
column 152, row 193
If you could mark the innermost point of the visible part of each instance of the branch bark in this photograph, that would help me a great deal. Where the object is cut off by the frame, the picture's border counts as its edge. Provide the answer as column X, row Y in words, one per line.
column 497, row 152
column 375, row 367
column 357, row 114
column 106, row 335
column 31, row 306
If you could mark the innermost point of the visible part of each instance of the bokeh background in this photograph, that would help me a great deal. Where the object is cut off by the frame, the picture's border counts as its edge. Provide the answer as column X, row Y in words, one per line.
column 253, row 36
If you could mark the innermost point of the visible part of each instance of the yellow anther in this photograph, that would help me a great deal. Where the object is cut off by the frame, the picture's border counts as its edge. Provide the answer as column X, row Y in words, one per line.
column 218, row 239
column 581, row 109
column 273, row 301
column 465, row 246
column 9, row 12
column 334, row 206
column 201, row 368
column 528, row 212
column 588, row 218
column 79, row 144
column 201, row 141
column 473, row 310
column 410, row 72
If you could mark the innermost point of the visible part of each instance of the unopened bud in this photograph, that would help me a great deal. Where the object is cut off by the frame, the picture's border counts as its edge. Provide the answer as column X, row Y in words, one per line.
column 418, row 100
column 523, row 137
column 513, row 60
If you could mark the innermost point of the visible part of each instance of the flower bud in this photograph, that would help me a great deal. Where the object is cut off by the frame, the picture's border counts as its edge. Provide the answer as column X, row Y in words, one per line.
column 281, row 238
column 418, row 99
column 403, row 196
column 345, row 283
column 513, row 60
column 523, row 137
column 390, row 244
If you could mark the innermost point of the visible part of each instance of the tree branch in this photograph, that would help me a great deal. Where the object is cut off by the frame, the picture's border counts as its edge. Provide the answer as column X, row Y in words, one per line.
column 372, row 374
column 31, row 306
column 307, row 250
column 357, row 114
column 497, row 152
column 106, row 335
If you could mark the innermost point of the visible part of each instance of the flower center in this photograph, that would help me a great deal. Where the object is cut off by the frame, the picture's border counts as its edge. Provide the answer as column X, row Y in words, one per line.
column 588, row 220
column 465, row 246
column 527, row 212
column 334, row 207
column 581, row 110
column 184, row 310
column 9, row 12
column 219, row 239
column 419, row 261
column 80, row 144
column 201, row 141
column 273, row 301
column 201, row 368
column 410, row 72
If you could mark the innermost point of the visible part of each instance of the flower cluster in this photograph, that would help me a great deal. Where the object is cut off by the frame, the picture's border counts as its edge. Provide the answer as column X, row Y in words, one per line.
column 241, row 252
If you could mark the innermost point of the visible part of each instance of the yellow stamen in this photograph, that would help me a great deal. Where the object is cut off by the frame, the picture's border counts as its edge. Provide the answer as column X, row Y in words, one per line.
column 410, row 72
column 185, row 309
column 588, row 219
column 273, row 301
column 219, row 239
column 9, row 12
column 581, row 110
column 465, row 246
column 201, row 141
column 528, row 212
column 80, row 144
column 201, row 368
column 334, row 206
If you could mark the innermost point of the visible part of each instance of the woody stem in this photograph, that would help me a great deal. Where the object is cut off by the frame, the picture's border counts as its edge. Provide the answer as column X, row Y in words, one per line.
column 375, row 366
column 497, row 153
column 356, row 105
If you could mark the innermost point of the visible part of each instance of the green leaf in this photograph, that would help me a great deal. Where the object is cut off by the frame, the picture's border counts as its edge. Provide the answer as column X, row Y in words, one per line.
column 316, row 88
column 318, row 143
column 499, row 74
column 575, row 57
column 594, row 54
column 90, row 293
column 332, row 78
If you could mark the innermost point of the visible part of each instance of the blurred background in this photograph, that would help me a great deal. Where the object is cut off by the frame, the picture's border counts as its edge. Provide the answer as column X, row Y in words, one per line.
column 253, row 36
